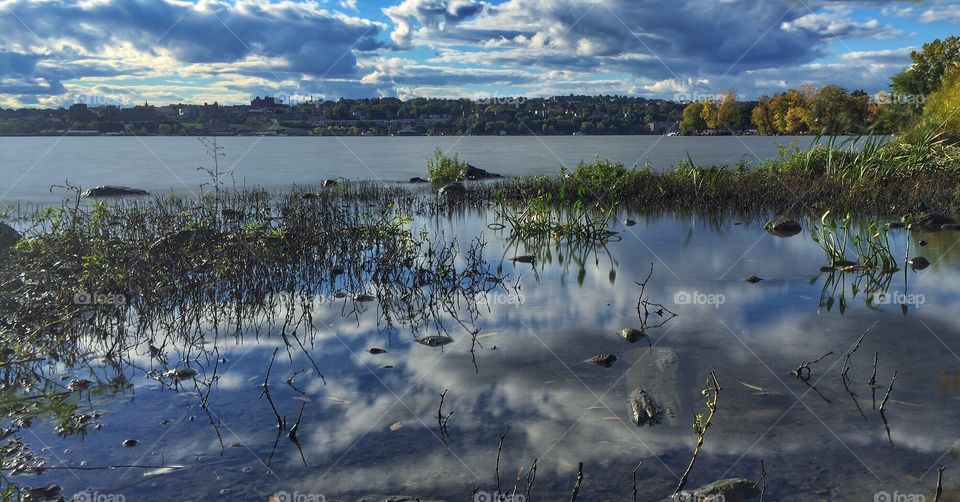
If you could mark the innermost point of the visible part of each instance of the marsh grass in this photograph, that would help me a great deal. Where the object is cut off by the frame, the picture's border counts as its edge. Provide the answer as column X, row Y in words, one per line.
column 171, row 278
column 870, row 246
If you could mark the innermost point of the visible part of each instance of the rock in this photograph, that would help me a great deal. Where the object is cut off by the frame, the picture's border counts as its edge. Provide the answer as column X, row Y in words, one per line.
column 452, row 189
column 919, row 263
column 113, row 191
column 130, row 443
column 49, row 492
column 605, row 360
column 921, row 242
column 9, row 237
column 782, row 226
column 180, row 373
column 753, row 279
column 475, row 173
column 377, row 350
column 417, row 179
column 644, row 409
column 434, row 340
column 727, row 490
column 934, row 221
column 628, row 222
column 329, row 183
column 632, row 334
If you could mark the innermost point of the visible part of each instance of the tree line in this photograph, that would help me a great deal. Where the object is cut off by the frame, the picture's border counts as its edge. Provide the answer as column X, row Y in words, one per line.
column 832, row 109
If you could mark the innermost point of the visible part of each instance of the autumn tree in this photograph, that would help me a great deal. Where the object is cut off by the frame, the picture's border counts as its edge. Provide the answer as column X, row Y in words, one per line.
column 929, row 66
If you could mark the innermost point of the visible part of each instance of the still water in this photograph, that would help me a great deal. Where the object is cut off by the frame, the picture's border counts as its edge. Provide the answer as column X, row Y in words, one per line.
column 373, row 427
column 30, row 166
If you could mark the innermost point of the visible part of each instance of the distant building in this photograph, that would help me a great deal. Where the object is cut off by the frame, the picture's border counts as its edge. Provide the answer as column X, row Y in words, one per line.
column 265, row 102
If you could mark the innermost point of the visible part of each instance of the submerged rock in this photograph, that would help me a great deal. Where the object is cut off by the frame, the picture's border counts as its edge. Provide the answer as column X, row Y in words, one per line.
column 934, row 221
column 753, row 279
column 377, row 350
column 605, row 360
column 49, row 492
column 919, row 263
column 113, row 191
column 782, row 226
column 727, row 490
column 130, row 443
column 417, row 179
column 475, row 173
column 632, row 334
column 628, row 222
column 644, row 409
column 9, row 237
column 527, row 258
column 452, row 189
column 434, row 340
column 180, row 373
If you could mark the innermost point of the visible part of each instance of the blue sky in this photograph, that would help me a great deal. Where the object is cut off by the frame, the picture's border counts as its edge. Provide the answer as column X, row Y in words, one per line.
column 57, row 52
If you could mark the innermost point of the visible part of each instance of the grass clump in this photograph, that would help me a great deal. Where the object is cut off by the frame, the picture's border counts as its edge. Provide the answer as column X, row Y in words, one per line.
column 442, row 168
column 872, row 246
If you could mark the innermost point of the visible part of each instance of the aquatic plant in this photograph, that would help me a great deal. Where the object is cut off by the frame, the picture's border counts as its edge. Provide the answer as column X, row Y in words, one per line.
column 541, row 216
column 872, row 246
column 442, row 168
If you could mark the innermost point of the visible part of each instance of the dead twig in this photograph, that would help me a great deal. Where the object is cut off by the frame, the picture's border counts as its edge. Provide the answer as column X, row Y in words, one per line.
column 281, row 422
column 499, row 450
column 848, row 363
column 889, row 390
column 576, row 485
column 803, row 371
column 762, row 482
column 939, row 484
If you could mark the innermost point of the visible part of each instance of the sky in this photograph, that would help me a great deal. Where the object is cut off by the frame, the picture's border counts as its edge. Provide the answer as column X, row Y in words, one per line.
column 58, row 52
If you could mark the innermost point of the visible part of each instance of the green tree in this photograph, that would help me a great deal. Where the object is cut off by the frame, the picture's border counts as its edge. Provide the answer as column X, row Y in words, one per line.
column 929, row 66
column 942, row 113
column 692, row 121
column 828, row 109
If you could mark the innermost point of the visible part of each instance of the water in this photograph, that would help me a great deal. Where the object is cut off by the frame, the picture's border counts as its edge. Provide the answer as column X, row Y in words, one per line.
column 29, row 166
column 372, row 429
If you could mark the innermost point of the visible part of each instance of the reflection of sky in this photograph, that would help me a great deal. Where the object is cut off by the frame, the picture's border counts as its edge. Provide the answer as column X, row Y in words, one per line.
column 532, row 377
